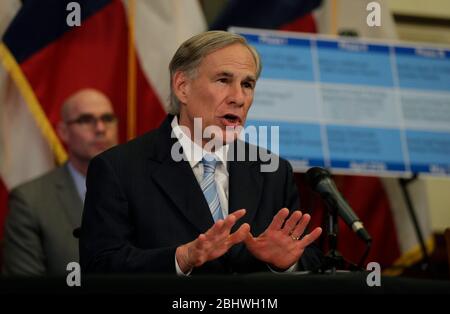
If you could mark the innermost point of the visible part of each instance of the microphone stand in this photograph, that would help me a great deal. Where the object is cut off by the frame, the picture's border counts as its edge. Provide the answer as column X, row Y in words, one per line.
column 425, row 262
column 334, row 260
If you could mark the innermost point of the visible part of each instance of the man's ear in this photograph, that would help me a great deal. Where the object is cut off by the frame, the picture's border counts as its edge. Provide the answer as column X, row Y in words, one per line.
column 180, row 85
column 63, row 132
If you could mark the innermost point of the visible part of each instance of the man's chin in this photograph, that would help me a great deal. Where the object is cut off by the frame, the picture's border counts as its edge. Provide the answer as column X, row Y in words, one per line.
column 101, row 147
column 230, row 136
column 97, row 151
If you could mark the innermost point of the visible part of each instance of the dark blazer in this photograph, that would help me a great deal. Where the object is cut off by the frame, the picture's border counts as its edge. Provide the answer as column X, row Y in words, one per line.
column 39, row 225
column 141, row 205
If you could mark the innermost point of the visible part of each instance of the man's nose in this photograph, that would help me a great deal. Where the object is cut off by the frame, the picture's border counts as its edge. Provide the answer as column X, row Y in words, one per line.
column 237, row 95
column 100, row 126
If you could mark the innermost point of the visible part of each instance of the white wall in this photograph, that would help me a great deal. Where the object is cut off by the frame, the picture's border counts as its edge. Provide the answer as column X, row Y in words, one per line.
column 434, row 8
column 439, row 202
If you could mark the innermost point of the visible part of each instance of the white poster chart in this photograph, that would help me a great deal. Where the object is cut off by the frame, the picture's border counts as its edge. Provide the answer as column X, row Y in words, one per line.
column 354, row 105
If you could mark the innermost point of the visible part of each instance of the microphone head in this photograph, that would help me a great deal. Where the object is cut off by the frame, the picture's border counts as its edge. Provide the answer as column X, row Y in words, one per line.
column 316, row 174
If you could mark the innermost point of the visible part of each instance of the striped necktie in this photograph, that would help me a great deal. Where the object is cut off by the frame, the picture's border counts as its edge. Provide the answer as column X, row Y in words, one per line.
column 208, row 186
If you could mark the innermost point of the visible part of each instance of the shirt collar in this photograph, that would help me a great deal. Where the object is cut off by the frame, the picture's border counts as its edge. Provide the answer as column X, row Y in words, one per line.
column 78, row 179
column 194, row 152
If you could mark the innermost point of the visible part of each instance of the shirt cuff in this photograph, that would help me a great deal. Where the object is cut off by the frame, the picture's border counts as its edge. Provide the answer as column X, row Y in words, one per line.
column 289, row 270
column 178, row 269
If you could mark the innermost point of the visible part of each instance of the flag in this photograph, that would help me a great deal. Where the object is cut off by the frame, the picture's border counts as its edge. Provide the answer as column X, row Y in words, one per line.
column 17, row 127
column 268, row 14
column 121, row 48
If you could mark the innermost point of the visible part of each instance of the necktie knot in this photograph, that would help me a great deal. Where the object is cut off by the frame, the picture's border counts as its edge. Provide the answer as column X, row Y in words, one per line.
column 209, row 164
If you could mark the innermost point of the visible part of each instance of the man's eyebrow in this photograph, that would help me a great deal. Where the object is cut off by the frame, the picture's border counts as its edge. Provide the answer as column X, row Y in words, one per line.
column 224, row 73
column 250, row 78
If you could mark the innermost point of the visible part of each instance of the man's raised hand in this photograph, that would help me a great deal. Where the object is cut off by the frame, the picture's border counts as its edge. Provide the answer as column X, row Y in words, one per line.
column 282, row 244
column 213, row 243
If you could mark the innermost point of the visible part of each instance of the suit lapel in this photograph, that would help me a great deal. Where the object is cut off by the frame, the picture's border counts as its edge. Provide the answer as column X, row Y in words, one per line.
column 178, row 181
column 68, row 197
column 245, row 188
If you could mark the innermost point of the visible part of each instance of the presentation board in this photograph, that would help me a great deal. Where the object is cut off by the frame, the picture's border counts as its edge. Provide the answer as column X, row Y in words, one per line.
column 354, row 105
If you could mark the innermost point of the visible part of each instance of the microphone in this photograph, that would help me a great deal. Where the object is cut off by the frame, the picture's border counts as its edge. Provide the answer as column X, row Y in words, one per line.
column 320, row 181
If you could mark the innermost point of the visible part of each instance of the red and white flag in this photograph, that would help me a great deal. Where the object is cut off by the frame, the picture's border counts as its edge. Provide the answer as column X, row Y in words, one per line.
column 121, row 47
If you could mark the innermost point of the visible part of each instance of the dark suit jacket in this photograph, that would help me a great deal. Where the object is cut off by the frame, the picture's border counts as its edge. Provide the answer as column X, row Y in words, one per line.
column 141, row 205
column 38, row 231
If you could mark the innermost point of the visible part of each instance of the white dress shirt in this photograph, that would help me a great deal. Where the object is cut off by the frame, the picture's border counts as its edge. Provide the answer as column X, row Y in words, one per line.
column 79, row 180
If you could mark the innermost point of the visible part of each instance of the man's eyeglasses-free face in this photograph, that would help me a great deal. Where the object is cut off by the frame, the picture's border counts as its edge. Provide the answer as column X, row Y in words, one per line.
column 89, row 120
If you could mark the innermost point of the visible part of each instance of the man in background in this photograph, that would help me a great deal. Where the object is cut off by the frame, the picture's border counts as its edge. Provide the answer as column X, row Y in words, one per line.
column 44, row 212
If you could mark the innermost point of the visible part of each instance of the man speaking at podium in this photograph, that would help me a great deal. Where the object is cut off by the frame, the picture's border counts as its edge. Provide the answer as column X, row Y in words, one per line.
column 147, row 210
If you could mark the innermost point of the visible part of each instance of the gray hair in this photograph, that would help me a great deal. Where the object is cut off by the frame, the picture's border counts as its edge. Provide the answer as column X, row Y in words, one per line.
column 190, row 54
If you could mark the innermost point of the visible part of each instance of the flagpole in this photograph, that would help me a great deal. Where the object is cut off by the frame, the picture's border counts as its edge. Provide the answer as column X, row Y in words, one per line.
column 31, row 100
column 131, row 88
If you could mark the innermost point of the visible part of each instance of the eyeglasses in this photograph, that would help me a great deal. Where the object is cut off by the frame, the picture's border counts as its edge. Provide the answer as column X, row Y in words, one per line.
column 89, row 120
